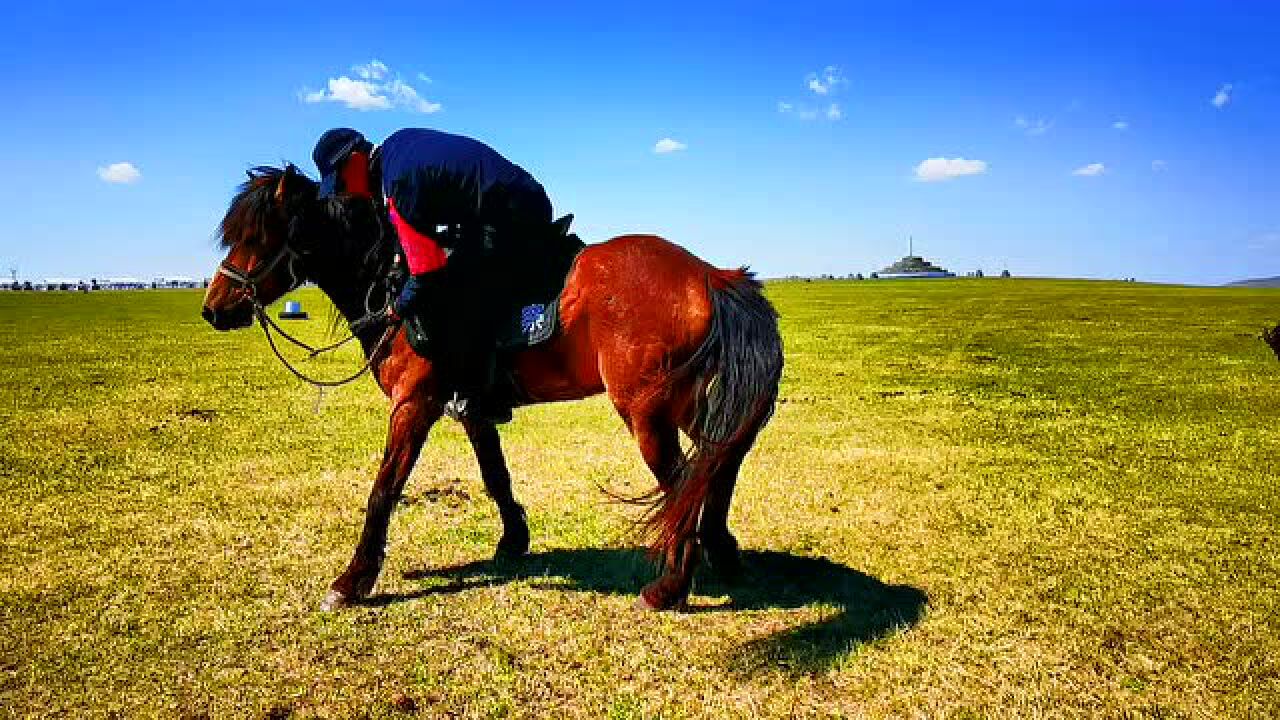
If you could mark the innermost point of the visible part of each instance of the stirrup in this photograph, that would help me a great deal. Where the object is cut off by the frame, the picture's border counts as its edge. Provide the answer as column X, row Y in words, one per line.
column 456, row 408
column 463, row 408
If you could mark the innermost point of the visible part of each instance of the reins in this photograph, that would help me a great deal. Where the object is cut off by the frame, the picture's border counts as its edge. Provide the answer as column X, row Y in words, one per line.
column 265, row 320
column 248, row 281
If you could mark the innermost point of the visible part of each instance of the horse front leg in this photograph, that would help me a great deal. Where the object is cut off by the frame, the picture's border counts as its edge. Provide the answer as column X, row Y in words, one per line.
column 410, row 422
column 497, row 482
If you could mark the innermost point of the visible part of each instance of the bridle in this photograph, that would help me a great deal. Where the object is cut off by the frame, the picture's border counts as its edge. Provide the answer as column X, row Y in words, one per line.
column 247, row 282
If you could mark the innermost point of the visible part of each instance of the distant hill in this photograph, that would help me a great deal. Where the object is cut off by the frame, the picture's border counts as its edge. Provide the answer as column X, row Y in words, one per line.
column 1271, row 282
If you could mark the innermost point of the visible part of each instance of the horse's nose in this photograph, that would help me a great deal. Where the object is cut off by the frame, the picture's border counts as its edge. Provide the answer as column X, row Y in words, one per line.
column 208, row 314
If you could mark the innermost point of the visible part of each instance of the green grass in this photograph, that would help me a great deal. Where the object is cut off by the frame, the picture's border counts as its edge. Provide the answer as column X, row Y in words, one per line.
column 977, row 498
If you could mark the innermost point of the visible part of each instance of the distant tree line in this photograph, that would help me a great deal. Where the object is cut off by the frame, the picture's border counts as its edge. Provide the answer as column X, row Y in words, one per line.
column 876, row 276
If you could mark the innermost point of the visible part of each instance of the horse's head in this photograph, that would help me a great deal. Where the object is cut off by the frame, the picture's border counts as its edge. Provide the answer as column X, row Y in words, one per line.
column 263, row 261
column 279, row 233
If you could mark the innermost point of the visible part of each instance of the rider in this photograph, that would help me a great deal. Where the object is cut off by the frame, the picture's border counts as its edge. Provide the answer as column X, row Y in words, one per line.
column 452, row 200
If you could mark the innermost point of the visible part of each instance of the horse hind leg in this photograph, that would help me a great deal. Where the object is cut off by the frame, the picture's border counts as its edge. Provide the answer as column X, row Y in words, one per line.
column 659, row 443
column 671, row 590
column 719, row 546
column 497, row 482
column 712, row 542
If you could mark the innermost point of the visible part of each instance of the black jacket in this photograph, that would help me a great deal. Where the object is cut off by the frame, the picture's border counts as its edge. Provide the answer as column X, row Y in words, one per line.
column 437, row 178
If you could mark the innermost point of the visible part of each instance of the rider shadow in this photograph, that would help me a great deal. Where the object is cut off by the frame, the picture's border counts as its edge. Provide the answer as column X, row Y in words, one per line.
column 862, row 609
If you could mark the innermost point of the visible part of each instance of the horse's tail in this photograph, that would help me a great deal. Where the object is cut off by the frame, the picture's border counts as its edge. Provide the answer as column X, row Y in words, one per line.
column 735, row 375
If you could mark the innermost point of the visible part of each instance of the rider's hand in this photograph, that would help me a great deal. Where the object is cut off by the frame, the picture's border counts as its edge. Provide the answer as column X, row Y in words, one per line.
column 381, row 319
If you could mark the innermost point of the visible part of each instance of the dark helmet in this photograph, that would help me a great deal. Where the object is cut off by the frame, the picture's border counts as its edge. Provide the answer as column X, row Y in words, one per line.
column 332, row 149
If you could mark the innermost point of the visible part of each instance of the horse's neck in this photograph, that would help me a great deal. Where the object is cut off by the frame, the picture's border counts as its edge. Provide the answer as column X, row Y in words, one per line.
column 349, row 298
column 355, row 296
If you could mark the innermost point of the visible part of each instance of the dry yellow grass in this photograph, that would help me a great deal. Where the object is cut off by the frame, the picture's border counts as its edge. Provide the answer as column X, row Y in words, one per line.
column 977, row 498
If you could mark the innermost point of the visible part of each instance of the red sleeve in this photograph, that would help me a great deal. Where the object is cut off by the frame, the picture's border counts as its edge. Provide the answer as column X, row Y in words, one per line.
column 421, row 252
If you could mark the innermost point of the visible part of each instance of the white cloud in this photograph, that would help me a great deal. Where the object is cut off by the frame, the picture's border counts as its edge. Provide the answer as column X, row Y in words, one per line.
column 404, row 95
column 375, row 70
column 355, row 94
column 1120, row 125
column 667, row 145
column 1158, row 165
column 1223, row 96
column 939, row 169
column 827, row 81
column 121, row 173
column 826, row 84
column 1034, row 128
column 424, row 78
column 1090, row 170
column 376, row 88
column 810, row 112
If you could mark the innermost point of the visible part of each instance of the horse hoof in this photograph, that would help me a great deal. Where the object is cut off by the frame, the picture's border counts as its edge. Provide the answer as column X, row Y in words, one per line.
column 723, row 558
column 727, row 566
column 645, row 604
column 504, row 554
column 511, row 546
column 334, row 601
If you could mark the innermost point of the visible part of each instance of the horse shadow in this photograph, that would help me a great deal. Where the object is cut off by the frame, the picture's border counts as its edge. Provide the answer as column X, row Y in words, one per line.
column 857, row 609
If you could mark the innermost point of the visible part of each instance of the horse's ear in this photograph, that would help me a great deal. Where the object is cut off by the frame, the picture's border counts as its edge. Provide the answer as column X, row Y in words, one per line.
column 282, row 186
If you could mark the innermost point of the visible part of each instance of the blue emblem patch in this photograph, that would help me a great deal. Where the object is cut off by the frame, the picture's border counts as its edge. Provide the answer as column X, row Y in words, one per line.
column 533, row 319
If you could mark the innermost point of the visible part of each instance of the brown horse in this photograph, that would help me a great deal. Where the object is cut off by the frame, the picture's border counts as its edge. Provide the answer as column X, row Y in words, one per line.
column 676, row 343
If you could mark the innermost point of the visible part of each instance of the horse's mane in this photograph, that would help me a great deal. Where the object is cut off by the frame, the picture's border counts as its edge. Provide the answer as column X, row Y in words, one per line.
column 251, row 204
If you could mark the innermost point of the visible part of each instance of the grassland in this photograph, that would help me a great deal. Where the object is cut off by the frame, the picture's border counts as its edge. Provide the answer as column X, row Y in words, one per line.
column 977, row 498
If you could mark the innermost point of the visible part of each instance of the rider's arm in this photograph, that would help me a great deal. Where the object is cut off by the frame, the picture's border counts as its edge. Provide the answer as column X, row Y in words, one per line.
column 420, row 251
column 423, row 256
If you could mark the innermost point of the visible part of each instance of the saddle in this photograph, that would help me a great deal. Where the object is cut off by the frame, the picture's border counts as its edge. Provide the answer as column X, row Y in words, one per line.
column 524, row 284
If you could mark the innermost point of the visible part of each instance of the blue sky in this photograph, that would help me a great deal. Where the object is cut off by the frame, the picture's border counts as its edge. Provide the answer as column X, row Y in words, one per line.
column 964, row 127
